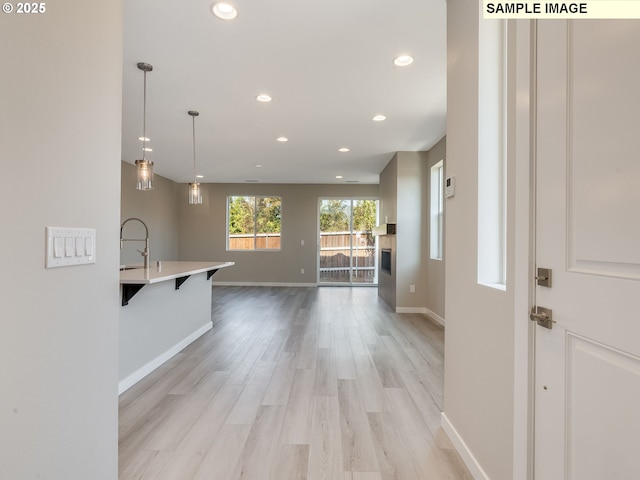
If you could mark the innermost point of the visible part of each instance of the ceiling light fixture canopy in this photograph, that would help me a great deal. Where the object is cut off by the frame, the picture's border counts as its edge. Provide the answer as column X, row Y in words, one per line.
column 224, row 10
column 144, row 167
column 195, row 194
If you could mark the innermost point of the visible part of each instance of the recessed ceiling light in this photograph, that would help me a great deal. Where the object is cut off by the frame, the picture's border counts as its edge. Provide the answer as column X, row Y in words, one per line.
column 282, row 139
column 258, row 166
column 199, row 176
column 338, row 176
column 343, row 149
column 263, row 97
column 144, row 139
column 403, row 60
column 224, row 11
column 379, row 118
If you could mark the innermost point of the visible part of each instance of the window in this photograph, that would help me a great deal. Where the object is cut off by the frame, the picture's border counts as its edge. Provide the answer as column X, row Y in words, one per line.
column 437, row 211
column 492, row 187
column 253, row 223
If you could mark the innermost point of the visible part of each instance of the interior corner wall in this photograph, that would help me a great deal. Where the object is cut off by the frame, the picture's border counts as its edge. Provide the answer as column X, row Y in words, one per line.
column 158, row 208
column 434, row 295
column 479, row 340
column 60, row 131
column 202, row 231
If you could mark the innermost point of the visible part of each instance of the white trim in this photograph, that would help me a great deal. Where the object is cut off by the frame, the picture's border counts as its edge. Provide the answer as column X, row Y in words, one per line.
column 411, row 310
column 469, row 459
column 522, row 120
column 436, row 317
column 423, row 310
column 262, row 284
column 145, row 370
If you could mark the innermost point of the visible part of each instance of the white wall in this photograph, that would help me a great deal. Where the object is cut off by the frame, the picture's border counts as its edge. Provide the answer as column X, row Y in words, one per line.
column 479, row 343
column 60, row 128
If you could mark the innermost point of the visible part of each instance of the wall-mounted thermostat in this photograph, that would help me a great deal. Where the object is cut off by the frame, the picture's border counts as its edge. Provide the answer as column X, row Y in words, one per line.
column 450, row 187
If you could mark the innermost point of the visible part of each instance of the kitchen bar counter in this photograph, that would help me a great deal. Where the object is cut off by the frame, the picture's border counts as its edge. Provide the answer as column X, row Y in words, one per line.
column 167, row 270
column 164, row 309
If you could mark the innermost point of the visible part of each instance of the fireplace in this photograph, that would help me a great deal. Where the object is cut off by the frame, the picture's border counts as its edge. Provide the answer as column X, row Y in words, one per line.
column 385, row 260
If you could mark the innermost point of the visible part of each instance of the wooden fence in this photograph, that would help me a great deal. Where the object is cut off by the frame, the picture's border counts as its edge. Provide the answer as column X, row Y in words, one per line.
column 264, row 241
column 335, row 261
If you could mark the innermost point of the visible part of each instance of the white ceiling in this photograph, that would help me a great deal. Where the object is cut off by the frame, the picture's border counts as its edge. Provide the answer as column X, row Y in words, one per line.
column 327, row 64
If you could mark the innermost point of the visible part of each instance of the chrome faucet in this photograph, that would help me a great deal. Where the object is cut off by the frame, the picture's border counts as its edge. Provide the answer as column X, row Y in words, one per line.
column 145, row 252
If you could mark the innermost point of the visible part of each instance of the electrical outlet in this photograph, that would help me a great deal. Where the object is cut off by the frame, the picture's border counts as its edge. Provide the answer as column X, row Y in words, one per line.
column 302, row 271
column 412, row 289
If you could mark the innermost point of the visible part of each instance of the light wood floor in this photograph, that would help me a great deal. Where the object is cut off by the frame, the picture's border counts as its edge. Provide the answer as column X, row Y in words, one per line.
column 295, row 383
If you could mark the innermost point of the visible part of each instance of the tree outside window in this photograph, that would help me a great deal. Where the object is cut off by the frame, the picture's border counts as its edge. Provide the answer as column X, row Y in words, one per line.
column 254, row 223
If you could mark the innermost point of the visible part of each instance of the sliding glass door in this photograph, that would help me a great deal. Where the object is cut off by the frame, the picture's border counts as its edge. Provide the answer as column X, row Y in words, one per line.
column 347, row 247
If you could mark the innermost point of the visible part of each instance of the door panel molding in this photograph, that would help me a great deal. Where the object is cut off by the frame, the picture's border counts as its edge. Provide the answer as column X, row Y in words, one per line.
column 600, row 199
column 591, row 367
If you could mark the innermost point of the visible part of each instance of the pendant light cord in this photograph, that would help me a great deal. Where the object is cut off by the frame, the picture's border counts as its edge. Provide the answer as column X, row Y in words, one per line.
column 144, row 117
column 194, row 114
column 194, row 149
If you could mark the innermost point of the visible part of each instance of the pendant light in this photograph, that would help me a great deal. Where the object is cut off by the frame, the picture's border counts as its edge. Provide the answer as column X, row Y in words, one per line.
column 144, row 167
column 195, row 195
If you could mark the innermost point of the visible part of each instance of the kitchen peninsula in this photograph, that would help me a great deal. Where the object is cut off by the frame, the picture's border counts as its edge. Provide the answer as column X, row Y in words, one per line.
column 163, row 309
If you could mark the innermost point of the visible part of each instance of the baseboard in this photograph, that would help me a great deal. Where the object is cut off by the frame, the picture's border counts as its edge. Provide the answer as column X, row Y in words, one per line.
column 145, row 370
column 262, row 284
column 469, row 459
column 411, row 310
column 423, row 310
column 436, row 317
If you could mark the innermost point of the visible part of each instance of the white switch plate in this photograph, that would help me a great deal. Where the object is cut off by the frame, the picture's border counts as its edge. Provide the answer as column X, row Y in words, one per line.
column 66, row 246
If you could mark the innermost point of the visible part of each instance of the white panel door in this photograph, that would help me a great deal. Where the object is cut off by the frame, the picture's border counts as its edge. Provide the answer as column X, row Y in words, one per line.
column 587, row 385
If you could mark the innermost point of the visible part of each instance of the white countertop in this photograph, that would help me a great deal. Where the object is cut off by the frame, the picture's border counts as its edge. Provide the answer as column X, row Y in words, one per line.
column 168, row 270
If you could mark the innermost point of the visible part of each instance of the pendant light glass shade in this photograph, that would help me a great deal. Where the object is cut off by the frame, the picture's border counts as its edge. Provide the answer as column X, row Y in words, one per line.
column 144, row 167
column 144, row 175
column 195, row 194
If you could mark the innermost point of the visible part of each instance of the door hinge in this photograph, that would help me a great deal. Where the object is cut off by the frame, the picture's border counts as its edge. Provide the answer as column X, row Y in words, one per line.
column 543, row 316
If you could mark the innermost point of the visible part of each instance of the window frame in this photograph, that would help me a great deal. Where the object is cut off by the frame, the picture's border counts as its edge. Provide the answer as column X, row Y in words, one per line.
column 255, row 233
column 436, row 211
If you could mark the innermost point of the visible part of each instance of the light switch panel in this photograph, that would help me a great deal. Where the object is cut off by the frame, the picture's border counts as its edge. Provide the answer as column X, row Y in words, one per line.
column 80, row 246
column 58, row 247
column 88, row 246
column 67, row 246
